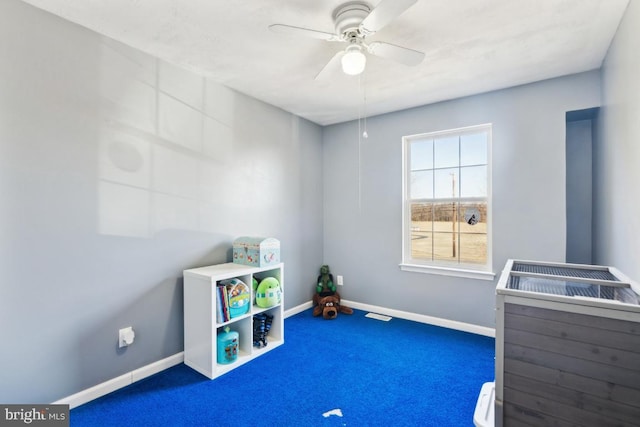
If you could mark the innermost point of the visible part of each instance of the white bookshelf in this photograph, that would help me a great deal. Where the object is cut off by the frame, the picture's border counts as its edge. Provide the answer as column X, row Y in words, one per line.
column 201, row 326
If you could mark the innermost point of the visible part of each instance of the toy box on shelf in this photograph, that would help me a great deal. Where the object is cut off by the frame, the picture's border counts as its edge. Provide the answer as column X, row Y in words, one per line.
column 256, row 251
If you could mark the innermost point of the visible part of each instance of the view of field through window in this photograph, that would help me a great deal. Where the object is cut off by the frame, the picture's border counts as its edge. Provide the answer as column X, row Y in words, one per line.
column 447, row 196
column 439, row 232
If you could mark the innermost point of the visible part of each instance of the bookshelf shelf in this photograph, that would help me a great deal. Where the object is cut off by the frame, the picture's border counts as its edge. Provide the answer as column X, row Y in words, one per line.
column 202, row 323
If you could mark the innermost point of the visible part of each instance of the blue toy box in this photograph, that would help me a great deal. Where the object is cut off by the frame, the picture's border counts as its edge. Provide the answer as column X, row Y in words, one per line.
column 256, row 251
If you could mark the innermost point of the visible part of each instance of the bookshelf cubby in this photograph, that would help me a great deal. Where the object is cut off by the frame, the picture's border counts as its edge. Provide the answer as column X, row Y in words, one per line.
column 202, row 325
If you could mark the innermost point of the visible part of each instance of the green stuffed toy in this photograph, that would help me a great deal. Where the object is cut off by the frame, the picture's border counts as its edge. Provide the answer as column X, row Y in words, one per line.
column 268, row 293
column 325, row 284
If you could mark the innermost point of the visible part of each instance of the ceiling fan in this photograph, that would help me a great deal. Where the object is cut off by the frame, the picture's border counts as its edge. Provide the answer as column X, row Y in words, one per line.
column 354, row 22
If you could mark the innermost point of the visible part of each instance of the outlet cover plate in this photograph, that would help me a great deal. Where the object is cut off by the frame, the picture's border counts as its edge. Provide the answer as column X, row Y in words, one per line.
column 126, row 337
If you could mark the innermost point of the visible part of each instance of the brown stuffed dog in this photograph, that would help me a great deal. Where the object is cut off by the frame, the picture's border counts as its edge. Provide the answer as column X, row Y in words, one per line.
column 329, row 306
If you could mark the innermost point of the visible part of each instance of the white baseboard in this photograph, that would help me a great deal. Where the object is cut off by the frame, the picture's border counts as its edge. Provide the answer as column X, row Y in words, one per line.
column 421, row 318
column 436, row 321
column 298, row 309
column 124, row 380
column 129, row 378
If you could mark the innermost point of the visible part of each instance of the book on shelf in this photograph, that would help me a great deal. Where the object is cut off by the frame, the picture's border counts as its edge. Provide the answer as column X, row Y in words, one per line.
column 219, row 309
column 222, row 306
column 225, row 303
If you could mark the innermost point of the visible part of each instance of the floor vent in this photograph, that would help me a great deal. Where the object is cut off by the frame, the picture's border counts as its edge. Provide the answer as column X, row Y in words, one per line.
column 378, row 316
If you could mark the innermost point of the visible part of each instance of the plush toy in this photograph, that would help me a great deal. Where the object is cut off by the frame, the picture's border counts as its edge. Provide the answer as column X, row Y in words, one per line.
column 326, row 299
column 325, row 284
column 329, row 306
column 268, row 293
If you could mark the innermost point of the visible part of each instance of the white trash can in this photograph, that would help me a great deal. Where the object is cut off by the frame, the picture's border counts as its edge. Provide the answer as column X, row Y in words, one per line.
column 484, row 415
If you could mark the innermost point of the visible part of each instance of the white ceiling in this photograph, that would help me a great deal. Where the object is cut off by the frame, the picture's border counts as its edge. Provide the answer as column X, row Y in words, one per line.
column 471, row 46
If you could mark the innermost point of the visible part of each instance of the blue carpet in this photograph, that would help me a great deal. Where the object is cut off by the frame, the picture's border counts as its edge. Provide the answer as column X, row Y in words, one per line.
column 376, row 373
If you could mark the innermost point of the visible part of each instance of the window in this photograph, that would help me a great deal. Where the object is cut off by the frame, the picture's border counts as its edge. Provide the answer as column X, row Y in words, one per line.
column 446, row 212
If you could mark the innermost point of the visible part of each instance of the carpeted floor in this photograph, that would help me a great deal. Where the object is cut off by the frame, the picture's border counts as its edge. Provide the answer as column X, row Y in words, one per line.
column 352, row 371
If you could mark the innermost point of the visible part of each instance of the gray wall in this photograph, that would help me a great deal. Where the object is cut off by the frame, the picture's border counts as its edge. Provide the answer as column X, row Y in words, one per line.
column 579, row 191
column 363, row 194
column 617, row 152
column 118, row 171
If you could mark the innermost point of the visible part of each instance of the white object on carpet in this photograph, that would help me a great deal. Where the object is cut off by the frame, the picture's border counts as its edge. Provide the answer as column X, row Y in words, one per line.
column 337, row 412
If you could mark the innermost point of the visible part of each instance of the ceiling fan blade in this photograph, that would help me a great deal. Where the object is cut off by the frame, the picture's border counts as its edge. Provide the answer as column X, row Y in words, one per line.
column 332, row 67
column 299, row 31
column 385, row 12
column 399, row 54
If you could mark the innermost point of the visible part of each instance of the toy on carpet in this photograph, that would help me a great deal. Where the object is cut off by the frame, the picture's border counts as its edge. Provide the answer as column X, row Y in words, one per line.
column 326, row 299
column 329, row 306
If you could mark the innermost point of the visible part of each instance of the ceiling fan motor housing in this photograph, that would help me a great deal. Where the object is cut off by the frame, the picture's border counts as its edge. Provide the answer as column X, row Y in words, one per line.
column 348, row 18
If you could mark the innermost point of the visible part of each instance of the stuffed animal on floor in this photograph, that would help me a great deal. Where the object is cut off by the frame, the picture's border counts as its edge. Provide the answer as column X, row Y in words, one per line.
column 329, row 306
column 326, row 299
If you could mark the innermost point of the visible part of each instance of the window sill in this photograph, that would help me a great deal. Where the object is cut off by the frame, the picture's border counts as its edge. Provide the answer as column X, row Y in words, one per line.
column 448, row 271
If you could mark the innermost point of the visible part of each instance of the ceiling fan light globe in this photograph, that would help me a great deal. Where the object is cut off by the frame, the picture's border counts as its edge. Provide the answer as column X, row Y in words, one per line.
column 353, row 62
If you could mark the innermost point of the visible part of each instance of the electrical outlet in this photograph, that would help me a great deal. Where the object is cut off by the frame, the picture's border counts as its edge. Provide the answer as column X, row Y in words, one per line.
column 126, row 337
column 340, row 281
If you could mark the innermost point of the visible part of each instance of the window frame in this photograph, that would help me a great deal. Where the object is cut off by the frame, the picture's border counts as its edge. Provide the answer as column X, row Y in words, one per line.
column 442, row 267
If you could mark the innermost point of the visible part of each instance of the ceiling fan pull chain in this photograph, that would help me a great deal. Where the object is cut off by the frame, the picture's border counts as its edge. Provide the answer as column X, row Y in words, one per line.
column 363, row 87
